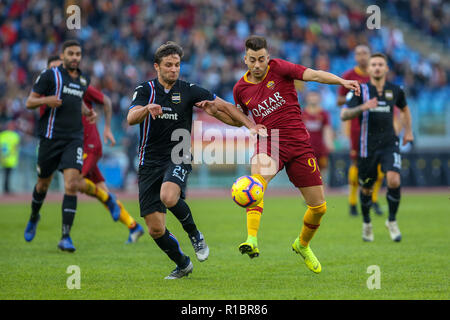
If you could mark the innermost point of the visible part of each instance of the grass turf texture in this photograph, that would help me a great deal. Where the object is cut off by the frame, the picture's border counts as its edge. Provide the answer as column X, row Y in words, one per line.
column 416, row 268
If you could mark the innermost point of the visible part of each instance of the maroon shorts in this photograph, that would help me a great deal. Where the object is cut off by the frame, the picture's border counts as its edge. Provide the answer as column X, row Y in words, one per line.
column 298, row 158
column 90, row 168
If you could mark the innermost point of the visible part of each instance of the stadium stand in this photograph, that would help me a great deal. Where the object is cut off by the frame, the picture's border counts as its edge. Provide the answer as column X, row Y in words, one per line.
column 119, row 38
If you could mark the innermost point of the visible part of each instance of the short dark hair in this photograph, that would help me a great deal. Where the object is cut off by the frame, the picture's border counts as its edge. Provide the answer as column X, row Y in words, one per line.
column 168, row 49
column 379, row 55
column 255, row 43
column 52, row 58
column 70, row 43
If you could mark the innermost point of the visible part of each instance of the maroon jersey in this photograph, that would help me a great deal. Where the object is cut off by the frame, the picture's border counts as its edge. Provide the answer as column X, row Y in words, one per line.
column 274, row 102
column 92, row 141
column 315, row 124
column 354, row 74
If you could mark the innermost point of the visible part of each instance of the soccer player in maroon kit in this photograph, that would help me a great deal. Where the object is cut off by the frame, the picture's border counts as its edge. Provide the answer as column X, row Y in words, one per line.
column 317, row 121
column 93, row 183
column 359, row 73
column 267, row 91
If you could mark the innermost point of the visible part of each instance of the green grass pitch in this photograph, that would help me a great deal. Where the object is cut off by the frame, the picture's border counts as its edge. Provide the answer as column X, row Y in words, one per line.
column 416, row 268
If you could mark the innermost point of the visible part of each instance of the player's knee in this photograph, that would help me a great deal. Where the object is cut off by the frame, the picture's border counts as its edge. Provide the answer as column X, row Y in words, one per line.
column 42, row 185
column 393, row 182
column 71, row 185
column 319, row 210
column 169, row 199
column 156, row 231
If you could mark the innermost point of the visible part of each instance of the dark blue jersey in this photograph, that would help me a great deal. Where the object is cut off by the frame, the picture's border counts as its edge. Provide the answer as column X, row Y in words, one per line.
column 169, row 132
column 63, row 122
column 377, row 125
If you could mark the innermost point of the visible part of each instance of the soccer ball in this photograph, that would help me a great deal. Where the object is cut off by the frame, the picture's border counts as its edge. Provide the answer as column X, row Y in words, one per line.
column 247, row 191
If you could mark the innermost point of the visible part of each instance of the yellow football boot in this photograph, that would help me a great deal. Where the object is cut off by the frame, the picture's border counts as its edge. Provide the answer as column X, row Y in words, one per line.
column 310, row 259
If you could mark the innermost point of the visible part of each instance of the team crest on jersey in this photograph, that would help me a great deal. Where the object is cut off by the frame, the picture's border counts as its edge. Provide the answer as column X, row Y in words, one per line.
column 83, row 81
column 176, row 97
column 270, row 84
column 389, row 94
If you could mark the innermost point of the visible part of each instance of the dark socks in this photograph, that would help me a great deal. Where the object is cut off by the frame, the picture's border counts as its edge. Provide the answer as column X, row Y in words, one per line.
column 366, row 203
column 169, row 244
column 69, row 207
column 183, row 213
column 36, row 204
column 393, row 199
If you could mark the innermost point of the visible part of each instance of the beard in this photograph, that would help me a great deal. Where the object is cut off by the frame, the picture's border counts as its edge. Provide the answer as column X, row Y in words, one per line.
column 68, row 65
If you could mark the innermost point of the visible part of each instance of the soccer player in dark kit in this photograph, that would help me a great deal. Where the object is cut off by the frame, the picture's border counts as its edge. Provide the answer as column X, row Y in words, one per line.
column 378, row 142
column 359, row 73
column 93, row 183
column 61, row 89
column 267, row 91
column 163, row 107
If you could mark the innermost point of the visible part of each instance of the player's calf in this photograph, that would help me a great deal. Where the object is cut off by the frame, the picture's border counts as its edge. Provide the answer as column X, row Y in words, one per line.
column 393, row 194
column 311, row 222
column 365, row 196
column 38, row 197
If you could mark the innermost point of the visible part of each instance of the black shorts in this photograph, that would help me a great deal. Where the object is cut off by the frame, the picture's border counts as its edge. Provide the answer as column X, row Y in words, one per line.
column 59, row 154
column 150, row 180
column 390, row 160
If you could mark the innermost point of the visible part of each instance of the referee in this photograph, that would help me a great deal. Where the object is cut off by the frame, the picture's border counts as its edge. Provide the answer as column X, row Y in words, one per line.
column 163, row 108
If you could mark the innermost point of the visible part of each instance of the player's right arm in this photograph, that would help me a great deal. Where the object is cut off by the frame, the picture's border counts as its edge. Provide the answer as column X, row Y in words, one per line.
column 211, row 109
column 342, row 92
column 35, row 100
column 140, row 106
column 41, row 93
column 229, row 114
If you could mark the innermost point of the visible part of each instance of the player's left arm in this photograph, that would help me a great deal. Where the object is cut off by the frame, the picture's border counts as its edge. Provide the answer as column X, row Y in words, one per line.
column 95, row 95
column 107, row 109
column 329, row 78
column 407, row 125
column 407, row 119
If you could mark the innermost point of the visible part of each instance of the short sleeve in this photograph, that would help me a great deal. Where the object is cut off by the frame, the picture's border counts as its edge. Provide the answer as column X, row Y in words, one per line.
column 141, row 96
column 288, row 69
column 199, row 94
column 238, row 103
column 45, row 83
column 353, row 100
column 401, row 99
column 94, row 95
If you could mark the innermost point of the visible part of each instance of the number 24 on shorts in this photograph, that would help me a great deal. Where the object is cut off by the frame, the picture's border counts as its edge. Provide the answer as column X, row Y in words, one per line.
column 179, row 172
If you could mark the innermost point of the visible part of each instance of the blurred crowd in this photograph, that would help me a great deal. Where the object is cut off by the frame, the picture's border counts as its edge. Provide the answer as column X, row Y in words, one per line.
column 429, row 16
column 119, row 38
